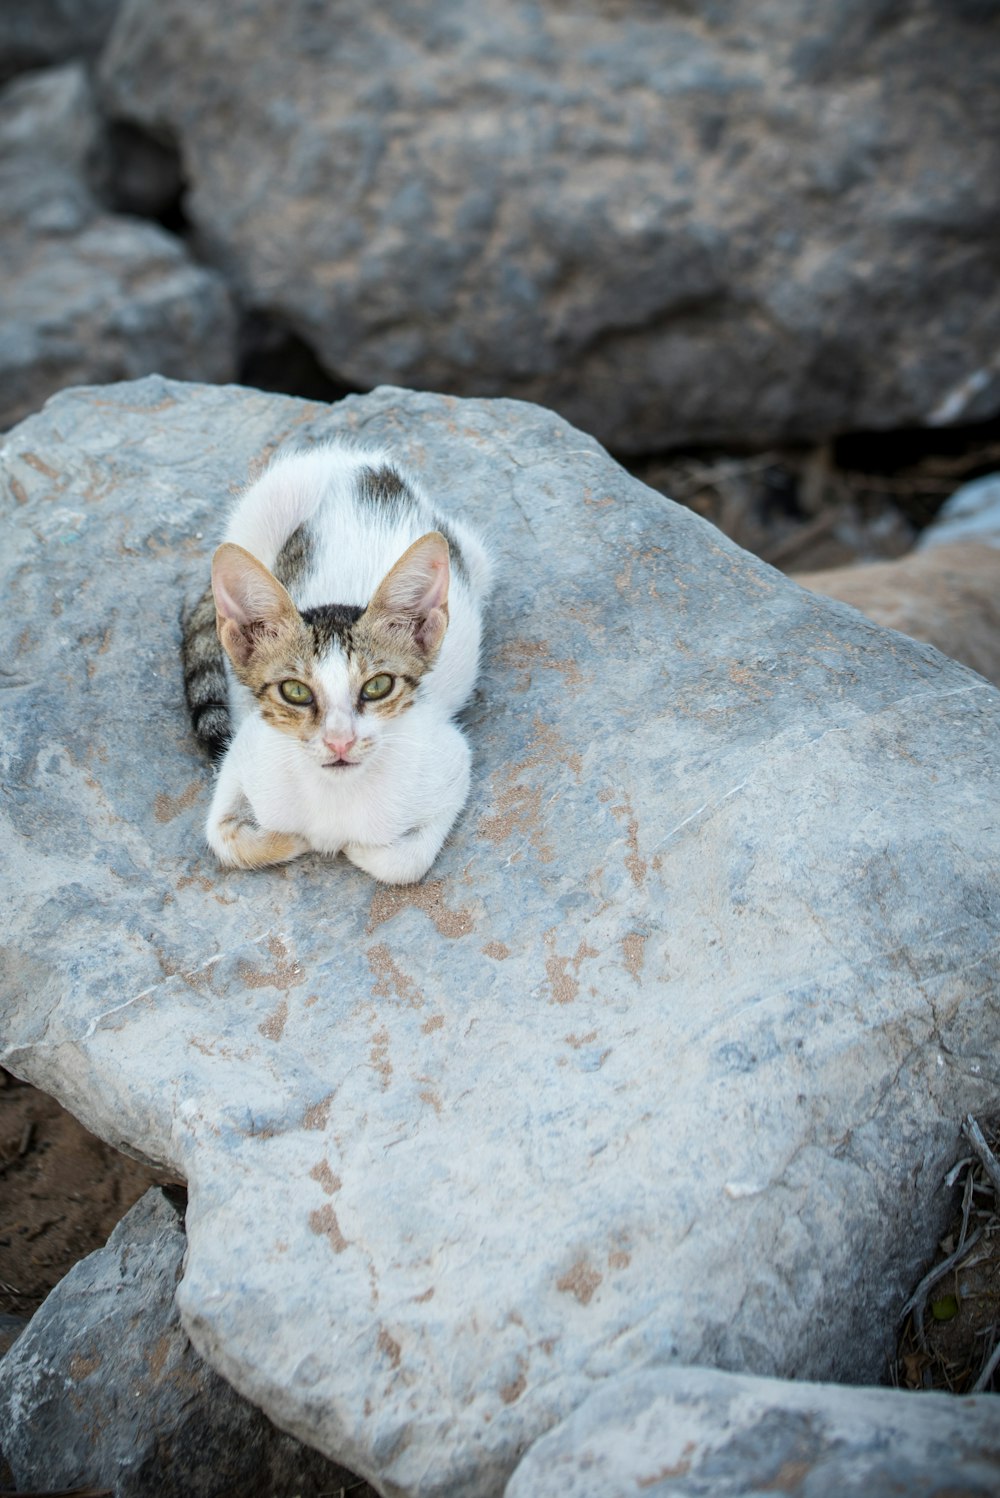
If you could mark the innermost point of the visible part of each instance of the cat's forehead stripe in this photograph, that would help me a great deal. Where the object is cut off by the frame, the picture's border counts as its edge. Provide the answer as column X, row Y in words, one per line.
column 331, row 624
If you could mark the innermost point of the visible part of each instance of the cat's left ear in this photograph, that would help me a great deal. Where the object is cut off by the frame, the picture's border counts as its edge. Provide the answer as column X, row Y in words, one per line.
column 413, row 595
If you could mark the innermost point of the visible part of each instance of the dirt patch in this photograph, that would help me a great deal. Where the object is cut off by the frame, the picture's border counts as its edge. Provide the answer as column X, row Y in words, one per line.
column 950, row 1338
column 61, row 1193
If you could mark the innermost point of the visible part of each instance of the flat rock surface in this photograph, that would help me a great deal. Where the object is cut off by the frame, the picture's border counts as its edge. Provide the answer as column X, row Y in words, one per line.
column 665, row 1058
column 697, row 1433
column 674, row 224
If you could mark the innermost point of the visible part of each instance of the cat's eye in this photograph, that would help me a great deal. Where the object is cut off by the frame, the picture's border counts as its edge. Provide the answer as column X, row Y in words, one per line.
column 296, row 692
column 377, row 687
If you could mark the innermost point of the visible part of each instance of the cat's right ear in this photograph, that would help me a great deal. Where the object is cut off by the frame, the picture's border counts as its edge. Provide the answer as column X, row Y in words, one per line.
column 250, row 603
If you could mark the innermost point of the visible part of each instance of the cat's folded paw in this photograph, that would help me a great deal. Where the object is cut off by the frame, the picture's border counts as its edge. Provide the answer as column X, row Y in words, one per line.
column 403, row 862
column 240, row 844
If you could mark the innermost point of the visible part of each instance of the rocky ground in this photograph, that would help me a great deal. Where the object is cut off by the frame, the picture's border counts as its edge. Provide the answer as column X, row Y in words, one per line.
column 123, row 261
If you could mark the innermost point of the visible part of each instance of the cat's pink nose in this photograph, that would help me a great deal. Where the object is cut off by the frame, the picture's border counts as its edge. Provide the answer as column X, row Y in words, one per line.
column 340, row 747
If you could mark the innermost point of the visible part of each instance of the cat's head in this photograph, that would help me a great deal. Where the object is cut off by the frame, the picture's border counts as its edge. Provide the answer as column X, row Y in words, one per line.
column 337, row 678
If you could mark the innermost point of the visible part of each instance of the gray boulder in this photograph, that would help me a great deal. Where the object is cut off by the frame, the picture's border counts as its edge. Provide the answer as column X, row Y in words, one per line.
column 971, row 514
column 41, row 33
column 708, row 224
column 664, row 1060
column 696, row 1433
column 87, row 295
column 104, row 1388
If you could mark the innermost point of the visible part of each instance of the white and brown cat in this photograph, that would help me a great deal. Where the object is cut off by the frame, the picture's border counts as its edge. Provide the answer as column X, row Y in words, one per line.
column 327, row 661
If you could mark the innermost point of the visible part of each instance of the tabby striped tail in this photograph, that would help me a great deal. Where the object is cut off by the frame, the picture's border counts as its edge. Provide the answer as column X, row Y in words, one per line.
column 205, row 684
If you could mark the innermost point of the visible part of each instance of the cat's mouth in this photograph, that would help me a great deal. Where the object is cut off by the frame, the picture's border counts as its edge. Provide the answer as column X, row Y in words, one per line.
column 340, row 764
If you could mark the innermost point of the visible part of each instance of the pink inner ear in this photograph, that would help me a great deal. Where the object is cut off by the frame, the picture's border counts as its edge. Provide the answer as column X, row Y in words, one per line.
column 418, row 583
column 246, row 594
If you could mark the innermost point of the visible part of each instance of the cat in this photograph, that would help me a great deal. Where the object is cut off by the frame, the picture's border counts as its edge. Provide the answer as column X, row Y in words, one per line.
column 325, row 663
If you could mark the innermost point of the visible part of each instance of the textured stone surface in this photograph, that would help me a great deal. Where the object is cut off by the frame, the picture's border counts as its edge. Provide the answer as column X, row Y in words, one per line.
column 711, row 223
column 696, row 1433
column 666, row 1057
column 86, row 295
column 104, row 1388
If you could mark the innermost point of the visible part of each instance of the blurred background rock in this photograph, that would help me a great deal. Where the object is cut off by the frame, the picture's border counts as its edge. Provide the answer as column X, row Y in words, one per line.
column 753, row 250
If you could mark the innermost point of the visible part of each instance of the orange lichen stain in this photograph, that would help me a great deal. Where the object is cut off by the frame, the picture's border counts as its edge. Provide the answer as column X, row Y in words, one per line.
column 18, row 490
column 606, row 795
column 390, row 1347
column 316, row 1117
column 634, row 949
column 518, row 811
column 581, row 1282
column 285, row 973
column 165, row 807
column 619, row 1259
column 312, row 999
column 378, row 1056
column 576, row 1041
column 427, row 1295
column 158, row 1356
column 35, row 462
column 564, row 986
column 789, row 1478
column 200, row 879
column 81, row 1367
column 632, row 555
column 510, row 1393
column 519, row 807
column 679, row 1469
column 391, row 980
column 498, row 950
column 273, row 1027
column 434, row 1023
column 389, row 899
column 634, row 861
column 522, row 654
column 323, row 1221
column 325, row 1176
column 427, row 1096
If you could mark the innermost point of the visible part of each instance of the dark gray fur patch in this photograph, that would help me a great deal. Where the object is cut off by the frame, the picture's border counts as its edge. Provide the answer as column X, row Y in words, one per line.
column 331, row 622
column 385, row 489
column 293, row 558
column 455, row 557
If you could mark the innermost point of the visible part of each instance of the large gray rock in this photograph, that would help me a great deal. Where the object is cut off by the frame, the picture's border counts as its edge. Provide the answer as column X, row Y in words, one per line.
column 696, row 1433
column 104, row 1387
column 86, row 295
column 711, row 223
column 40, row 33
column 663, row 1061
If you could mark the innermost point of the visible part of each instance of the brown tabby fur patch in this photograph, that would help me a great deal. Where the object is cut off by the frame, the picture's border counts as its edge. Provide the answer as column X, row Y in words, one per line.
column 372, row 645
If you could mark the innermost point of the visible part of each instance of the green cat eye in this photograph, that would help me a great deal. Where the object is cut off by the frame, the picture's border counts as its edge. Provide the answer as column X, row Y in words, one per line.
column 296, row 692
column 377, row 687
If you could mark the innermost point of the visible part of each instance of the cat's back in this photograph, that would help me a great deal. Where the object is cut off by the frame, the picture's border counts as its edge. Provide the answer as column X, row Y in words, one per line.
column 330, row 522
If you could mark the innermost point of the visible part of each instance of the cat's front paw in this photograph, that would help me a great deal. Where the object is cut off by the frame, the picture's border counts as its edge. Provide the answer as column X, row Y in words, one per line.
column 239, row 843
column 402, row 862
